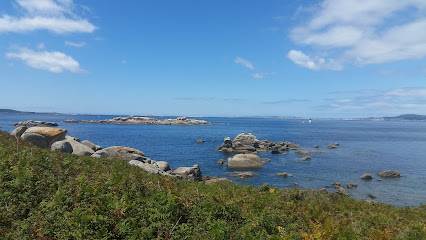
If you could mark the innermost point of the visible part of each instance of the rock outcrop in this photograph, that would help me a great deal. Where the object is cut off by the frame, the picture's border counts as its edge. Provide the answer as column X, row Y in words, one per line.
column 31, row 123
column 124, row 153
column 56, row 140
column 43, row 137
column 390, row 174
column 245, row 161
column 143, row 120
column 19, row 131
column 351, row 185
column 248, row 143
column 307, row 158
column 62, row 146
column 342, row 191
column 189, row 173
column 91, row 145
column 80, row 149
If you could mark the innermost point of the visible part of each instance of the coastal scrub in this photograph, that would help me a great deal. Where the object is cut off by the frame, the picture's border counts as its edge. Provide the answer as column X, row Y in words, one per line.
column 52, row 195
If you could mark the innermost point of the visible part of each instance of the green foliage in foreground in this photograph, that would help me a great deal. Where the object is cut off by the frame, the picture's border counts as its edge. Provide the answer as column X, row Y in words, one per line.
column 45, row 195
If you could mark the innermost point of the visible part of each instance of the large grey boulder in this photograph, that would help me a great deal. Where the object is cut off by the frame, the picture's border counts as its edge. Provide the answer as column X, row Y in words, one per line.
column 35, row 139
column 72, row 138
column 18, row 131
column 90, row 145
column 189, row 173
column 390, row 174
column 50, row 134
column 245, row 161
column 62, row 146
column 163, row 166
column 80, row 149
column 125, row 153
column 151, row 168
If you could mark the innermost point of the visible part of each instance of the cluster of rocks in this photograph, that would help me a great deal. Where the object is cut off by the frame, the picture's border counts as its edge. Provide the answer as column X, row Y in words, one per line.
column 144, row 120
column 248, row 143
column 384, row 174
column 31, row 123
column 56, row 139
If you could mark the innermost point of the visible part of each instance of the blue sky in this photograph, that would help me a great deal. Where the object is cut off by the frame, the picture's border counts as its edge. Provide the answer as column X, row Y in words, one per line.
column 327, row 58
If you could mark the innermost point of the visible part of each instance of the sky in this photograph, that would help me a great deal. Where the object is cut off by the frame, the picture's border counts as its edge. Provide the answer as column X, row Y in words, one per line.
column 324, row 58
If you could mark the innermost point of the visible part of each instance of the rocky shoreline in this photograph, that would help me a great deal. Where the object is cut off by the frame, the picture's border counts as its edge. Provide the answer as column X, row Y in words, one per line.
column 144, row 121
column 56, row 139
column 245, row 146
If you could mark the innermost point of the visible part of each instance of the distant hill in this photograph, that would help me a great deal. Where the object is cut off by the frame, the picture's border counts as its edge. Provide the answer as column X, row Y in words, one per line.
column 407, row 117
column 11, row 111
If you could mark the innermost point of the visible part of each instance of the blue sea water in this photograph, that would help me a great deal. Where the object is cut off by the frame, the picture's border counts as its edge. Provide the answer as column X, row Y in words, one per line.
column 365, row 147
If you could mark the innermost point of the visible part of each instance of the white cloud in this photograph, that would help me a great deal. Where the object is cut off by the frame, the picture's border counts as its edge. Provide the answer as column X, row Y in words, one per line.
column 366, row 31
column 262, row 75
column 55, row 62
column 244, row 62
column 74, row 44
column 53, row 15
column 315, row 63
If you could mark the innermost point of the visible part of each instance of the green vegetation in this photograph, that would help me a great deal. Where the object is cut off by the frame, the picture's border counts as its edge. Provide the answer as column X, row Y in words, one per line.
column 45, row 195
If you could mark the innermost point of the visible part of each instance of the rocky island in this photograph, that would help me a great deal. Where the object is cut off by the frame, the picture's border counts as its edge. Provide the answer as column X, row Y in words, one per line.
column 144, row 120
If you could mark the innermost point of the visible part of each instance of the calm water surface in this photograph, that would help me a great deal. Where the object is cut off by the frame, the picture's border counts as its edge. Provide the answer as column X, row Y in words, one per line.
column 365, row 146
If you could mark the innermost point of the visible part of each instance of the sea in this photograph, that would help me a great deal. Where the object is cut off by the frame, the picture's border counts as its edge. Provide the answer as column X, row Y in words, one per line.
column 364, row 147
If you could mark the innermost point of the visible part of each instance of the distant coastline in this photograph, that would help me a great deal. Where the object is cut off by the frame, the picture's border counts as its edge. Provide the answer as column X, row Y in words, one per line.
column 403, row 117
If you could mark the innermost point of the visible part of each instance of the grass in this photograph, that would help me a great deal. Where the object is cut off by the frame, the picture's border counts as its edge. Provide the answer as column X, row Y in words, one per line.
column 50, row 195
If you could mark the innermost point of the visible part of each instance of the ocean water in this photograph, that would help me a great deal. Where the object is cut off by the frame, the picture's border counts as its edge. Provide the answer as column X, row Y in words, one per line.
column 365, row 147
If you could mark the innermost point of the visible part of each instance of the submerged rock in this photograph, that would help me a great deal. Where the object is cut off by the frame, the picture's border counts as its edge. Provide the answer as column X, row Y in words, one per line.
column 351, row 185
column 332, row 145
column 366, row 176
column 284, row 174
column 390, row 174
column 307, row 158
column 242, row 174
column 201, row 140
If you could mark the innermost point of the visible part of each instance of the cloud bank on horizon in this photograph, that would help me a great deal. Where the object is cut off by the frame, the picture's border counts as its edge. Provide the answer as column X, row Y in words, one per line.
column 360, row 32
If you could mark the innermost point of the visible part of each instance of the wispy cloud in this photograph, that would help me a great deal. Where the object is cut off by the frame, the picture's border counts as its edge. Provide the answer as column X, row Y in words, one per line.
column 74, row 44
column 286, row 101
column 55, row 62
column 53, row 15
column 393, row 101
column 262, row 75
column 315, row 63
column 244, row 62
column 362, row 32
